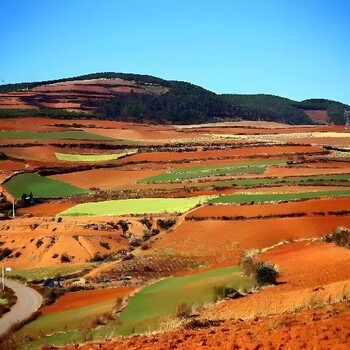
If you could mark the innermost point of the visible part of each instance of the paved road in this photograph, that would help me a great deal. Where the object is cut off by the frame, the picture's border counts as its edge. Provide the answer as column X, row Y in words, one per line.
column 28, row 301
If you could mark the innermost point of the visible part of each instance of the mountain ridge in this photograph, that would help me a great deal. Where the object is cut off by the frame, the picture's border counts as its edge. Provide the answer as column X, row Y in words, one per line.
column 145, row 98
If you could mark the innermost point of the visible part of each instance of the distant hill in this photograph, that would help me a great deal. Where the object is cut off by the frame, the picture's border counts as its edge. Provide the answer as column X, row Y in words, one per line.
column 144, row 98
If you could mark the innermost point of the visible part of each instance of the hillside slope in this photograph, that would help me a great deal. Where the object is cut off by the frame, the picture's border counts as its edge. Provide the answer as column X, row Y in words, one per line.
column 144, row 98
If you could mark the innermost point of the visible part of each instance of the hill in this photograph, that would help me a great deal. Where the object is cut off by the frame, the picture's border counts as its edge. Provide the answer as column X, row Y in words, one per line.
column 144, row 98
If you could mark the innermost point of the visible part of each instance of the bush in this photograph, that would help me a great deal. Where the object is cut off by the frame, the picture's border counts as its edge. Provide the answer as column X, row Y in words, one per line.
column 263, row 272
column 266, row 273
column 340, row 236
column 166, row 224
column 65, row 258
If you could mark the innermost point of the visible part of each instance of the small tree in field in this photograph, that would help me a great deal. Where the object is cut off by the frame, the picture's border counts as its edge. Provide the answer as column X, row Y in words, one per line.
column 263, row 272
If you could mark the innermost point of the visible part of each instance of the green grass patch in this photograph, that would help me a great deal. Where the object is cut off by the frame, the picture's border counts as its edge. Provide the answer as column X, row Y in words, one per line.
column 91, row 157
column 80, row 318
column 145, row 311
column 41, row 187
column 291, row 179
column 41, row 273
column 163, row 297
column 53, row 135
column 251, row 167
column 136, row 206
column 274, row 197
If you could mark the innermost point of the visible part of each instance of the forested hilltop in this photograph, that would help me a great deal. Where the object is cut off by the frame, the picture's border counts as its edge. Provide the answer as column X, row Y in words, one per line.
column 144, row 98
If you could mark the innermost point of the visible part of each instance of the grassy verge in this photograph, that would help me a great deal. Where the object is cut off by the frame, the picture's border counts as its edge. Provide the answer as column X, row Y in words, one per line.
column 47, row 272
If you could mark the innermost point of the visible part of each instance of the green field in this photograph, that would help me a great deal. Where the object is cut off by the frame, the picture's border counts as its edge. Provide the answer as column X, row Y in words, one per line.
column 290, row 179
column 240, row 198
column 53, row 135
column 48, row 272
column 91, row 157
column 163, row 297
column 251, row 167
column 145, row 311
column 136, row 206
column 41, row 187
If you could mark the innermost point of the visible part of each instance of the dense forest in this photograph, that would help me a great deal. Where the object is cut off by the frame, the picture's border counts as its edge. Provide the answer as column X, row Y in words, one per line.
column 184, row 103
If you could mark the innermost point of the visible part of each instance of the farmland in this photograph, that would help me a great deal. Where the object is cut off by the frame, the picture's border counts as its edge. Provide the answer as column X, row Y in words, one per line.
column 150, row 236
column 40, row 187
column 91, row 157
column 136, row 206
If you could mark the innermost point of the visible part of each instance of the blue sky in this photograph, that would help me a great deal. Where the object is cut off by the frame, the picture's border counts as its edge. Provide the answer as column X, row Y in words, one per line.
column 293, row 48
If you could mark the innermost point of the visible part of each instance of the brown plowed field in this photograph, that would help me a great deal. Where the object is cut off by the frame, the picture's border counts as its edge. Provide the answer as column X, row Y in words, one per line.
column 325, row 328
column 77, row 300
column 9, row 165
column 323, row 205
column 310, row 274
column 318, row 115
column 105, row 179
column 46, row 209
column 224, row 241
column 241, row 152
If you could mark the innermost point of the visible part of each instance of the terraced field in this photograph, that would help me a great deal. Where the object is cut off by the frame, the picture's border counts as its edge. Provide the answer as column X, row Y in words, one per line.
column 170, row 221
column 67, row 157
column 136, row 206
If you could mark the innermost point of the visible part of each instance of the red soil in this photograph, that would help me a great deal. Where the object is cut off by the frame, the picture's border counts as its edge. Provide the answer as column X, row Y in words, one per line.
column 47, row 209
column 312, row 274
column 104, row 179
column 311, row 206
column 9, row 165
column 221, row 241
column 318, row 116
column 77, row 300
column 332, row 141
column 240, row 152
column 326, row 328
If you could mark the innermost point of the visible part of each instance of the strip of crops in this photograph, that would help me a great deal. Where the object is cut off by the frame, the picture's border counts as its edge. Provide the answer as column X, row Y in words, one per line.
column 136, row 206
column 254, row 167
column 291, row 179
column 40, row 187
column 91, row 157
column 58, row 135
column 274, row 197
column 163, row 297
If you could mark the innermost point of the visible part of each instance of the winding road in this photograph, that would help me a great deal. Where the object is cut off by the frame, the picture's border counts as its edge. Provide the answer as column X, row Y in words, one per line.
column 28, row 301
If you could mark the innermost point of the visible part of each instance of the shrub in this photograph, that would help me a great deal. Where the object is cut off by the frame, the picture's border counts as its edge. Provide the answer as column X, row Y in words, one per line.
column 263, row 272
column 145, row 246
column 105, row 245
column 266, row 273
column 166, row 224
column 4, row 253
column 65, row 258
column 340, row 236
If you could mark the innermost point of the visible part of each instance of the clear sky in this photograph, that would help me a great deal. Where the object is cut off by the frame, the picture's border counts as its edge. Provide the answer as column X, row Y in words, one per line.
column 293, row 48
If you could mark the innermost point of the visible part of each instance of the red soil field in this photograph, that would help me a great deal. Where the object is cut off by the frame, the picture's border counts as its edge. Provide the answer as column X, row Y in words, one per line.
column 310, row 206
column 77, row 300
column 8, row 165
column 315, row 274
column 318, row 115
column 325, row 328
column 254, row 151
column 221, row 241
column 46, row 209
column 104, row 179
